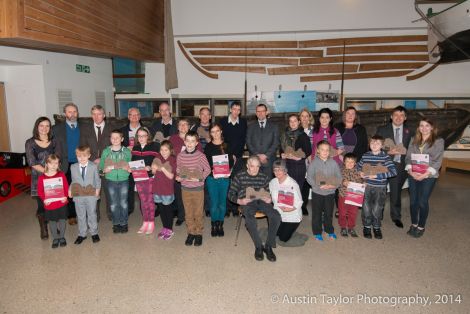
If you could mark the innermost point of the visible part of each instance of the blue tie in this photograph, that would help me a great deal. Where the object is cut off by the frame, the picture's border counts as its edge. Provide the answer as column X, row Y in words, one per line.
column 83, row 172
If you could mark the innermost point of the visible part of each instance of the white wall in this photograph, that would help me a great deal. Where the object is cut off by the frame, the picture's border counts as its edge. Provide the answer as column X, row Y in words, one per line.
column 223, row 20
column 31, row 90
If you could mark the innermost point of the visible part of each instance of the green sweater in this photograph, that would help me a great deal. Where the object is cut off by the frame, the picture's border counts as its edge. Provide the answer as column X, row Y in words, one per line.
column 124, row 154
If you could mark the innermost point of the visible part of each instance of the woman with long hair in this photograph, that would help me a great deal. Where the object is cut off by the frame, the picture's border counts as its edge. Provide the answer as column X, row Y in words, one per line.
column 423, row 160
column 323, row 130
column 38, row 148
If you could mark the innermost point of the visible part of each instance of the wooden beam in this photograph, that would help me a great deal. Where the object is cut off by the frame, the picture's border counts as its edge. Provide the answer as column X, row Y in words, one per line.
column 285, row 61
column 249, row 69
column 352, row 76
column 243, row 44
column 390, row 66
column 361, row 41
column 259, row 53
column 377, row 49
column 362, row 58
column 421, row 74
column 186, row 54
column 322, row 68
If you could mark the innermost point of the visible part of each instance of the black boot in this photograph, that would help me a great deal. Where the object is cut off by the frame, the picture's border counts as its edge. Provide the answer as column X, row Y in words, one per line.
column 214, row 225
column 220, row 230
column 43, row 227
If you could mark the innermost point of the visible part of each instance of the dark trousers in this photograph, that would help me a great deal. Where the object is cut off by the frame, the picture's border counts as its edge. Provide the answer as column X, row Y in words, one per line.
column 71, row 205
column 420, row 191
column 267, row 168
column 396, row 185
column 274, row 220
column 104, row 191
column 322, row 206
column 239, row 165
column 286, row 230
column 207, row 200
column 166, row 215
column 40, row 210
column 130, row 195
column 305, row 194
column 178, row 203
column 372, row 209
column 296, row 170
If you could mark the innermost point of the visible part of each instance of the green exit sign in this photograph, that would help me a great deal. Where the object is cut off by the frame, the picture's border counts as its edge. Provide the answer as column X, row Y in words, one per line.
column 82, row 68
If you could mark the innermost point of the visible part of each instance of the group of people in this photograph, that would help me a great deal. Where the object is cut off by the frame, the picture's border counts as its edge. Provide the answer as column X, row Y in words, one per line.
column 185, row 171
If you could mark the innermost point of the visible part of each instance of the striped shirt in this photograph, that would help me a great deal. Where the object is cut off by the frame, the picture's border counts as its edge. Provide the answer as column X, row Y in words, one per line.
column 374, row 160
column 243, row 180
column 193, row 161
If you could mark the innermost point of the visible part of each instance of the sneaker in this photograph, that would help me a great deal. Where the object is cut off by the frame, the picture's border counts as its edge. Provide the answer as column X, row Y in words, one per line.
column 318, row 237
column 344, row 232
column 55, row 243
column 169, row 233
column 353, row 233
column 189, row 240
column 62, row 242
column 124, row 229
column 116, row 229
column 377, row 233
column 161, row 233
column 332, row 236
column 412, row 231
column 367, row 233
column 419, row 233
column 198, row 240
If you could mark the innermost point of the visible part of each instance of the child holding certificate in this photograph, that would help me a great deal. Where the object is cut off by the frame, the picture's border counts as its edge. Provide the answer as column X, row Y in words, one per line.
column 53, row 190
column 143, row 153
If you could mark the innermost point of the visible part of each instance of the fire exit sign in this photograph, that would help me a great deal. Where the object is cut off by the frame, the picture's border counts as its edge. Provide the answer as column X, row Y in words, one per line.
column 82, row 68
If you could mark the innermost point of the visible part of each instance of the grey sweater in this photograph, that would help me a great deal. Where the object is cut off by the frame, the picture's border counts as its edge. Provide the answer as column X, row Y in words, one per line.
column 328, row 168
column 436, row 151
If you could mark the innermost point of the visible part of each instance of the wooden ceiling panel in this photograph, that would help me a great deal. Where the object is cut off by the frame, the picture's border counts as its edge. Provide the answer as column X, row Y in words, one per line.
column 390, row 66
column 102, row 28
column 376, row 49
column 361, row 41
column 249, row 69
column 352, row 76
column 364, row 58
column 215, row 60
column 322, row 68
column 259, row 53
column 243, row 44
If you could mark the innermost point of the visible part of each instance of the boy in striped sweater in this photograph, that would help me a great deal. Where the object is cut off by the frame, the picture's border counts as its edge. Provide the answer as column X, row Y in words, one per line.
column 192, row 169
column 376, row 185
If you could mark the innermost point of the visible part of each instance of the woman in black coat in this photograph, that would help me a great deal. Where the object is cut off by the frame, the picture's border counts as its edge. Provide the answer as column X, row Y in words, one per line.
column 353, row 134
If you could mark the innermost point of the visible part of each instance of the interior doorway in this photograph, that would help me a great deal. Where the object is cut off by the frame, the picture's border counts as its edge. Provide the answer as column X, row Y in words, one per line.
column 4, row 133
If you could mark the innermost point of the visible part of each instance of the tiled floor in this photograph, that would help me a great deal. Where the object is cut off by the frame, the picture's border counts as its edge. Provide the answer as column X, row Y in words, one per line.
column 134, row 273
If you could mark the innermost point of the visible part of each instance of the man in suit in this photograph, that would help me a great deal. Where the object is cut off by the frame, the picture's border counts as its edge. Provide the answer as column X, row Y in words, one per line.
column 68, row 135
column 166, row 125
column 234, row 131
column 262, row 139
column 85, row 173
column 399, row 133
column 97, row 136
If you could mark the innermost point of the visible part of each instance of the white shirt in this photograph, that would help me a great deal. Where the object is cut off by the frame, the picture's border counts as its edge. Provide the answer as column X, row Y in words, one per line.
column 289, row 183
column 233, row 122
column 262, row 121
column 86, row 168
column 96, row 129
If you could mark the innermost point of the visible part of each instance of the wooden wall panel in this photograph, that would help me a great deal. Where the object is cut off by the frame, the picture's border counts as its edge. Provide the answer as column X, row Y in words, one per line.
column 377, row 49
column 322, row 68
column 352, row 76
column 215, row 60
column 259, row 53
column 361, row 41
column 132, row 29
column 364, row 58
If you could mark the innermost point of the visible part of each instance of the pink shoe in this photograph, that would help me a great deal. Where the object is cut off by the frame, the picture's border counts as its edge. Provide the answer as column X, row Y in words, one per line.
column 150, row 228
column 162, row 233
column 169, row 233
column 144, row 227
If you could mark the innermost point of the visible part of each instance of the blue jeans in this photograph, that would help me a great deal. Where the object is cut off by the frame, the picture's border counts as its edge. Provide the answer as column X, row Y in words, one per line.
column 420, row 191
column 372, row 209
column 217, row 189
column 117, row 191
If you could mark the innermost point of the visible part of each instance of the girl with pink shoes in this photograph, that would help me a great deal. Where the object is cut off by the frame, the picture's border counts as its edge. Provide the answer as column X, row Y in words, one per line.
column 145, row 150
column 164, row 167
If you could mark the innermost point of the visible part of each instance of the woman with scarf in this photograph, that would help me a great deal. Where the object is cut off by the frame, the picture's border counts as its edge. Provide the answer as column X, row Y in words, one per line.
column 295, row 148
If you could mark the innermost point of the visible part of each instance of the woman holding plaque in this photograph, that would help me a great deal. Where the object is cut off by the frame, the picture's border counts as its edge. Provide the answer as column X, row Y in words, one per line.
column 295, row 148
column 221, row 161
column 143, row 152
column 38, row 148
column 323, row 130
column 423, row 160
column 287, row 200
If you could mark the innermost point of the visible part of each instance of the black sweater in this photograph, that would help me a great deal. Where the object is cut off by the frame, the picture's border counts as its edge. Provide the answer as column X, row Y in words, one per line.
column 234, row 135
column 362, row 144
column 214, row 150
